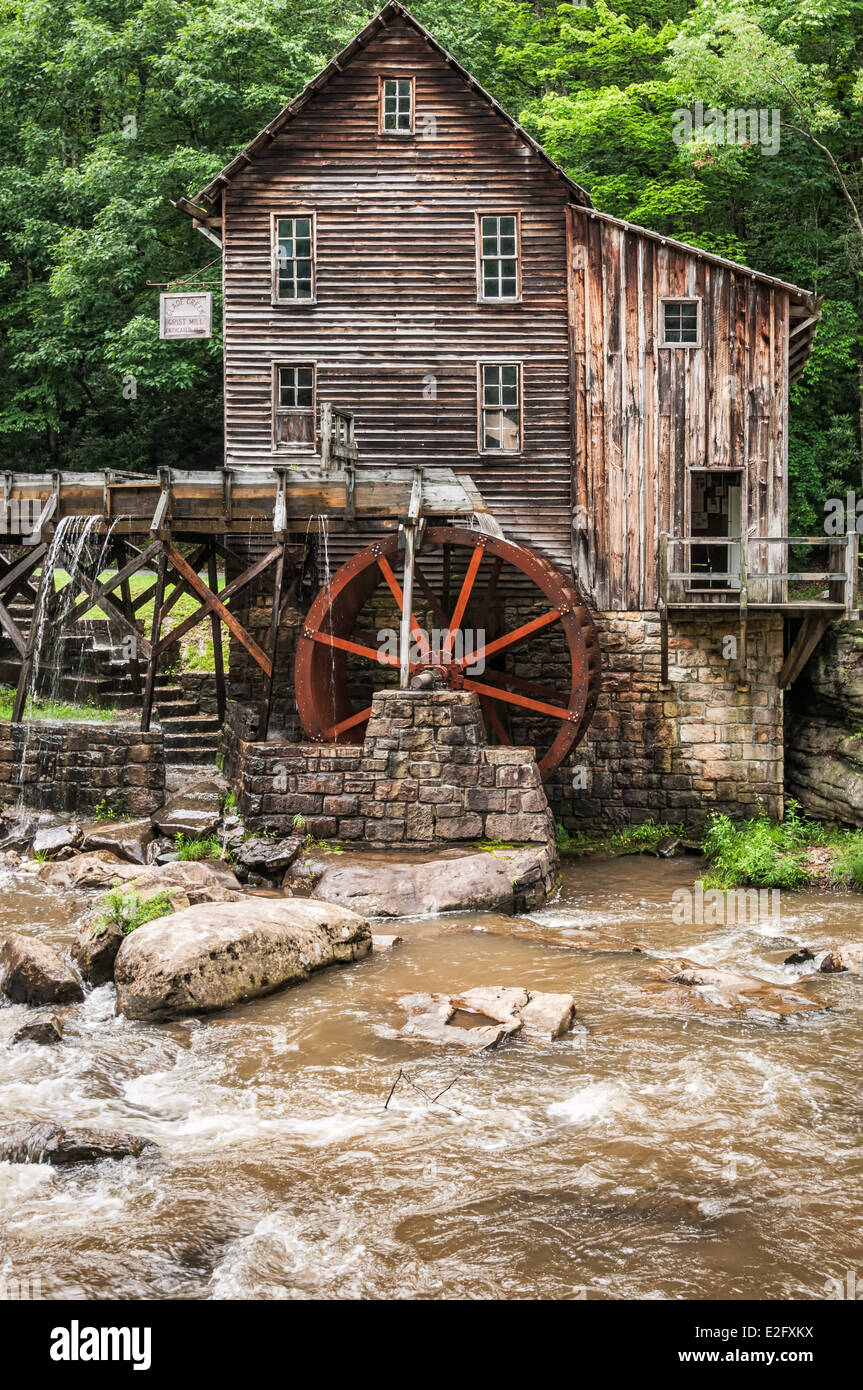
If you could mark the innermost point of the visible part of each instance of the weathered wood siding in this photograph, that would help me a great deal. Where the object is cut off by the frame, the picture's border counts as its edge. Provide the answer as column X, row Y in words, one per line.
column 643, row 415
column 397, row 285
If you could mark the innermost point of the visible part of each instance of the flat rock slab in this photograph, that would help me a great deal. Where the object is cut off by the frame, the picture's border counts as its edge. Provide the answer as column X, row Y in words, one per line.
column 44, row 1142
column 482, row 1018
column 99, row 869
column 484, row 880
column 193, row 811
column 682, row 987
column 35, row 974
column 215, row 955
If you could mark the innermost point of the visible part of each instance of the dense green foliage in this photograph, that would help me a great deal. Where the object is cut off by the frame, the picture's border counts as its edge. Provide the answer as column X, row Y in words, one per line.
column 129, row 910
column 109, row 109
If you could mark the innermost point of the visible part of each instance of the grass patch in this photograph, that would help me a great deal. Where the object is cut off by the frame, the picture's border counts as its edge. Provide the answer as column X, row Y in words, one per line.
column 196, row 648
column 626, row 839
column 129, row 910
column 58, row 711
column 846, row 870
column 200, row 847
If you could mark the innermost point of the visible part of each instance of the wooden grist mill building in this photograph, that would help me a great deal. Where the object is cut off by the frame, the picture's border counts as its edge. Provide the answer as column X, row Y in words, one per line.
column 613, row 403
column 481, row 435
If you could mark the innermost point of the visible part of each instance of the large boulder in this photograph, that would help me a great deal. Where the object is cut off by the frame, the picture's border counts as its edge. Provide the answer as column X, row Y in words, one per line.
column 128, row 839
column 500, row 881
column 35, row 974
column 194, row 811
column 218, row 954
column 45, row 1142
column 100, row 934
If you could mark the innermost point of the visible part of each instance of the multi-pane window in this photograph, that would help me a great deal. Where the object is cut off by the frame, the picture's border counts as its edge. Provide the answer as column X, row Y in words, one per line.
column 397, row 105
column 498, row 256
column 294, row 406
column 680, row 323
column 294, row 258
column 500, row 406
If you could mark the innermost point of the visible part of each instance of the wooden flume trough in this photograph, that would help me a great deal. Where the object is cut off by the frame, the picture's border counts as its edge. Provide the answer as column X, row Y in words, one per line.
column 149, row 518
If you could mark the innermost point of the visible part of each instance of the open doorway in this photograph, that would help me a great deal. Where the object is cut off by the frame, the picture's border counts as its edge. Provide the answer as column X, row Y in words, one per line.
column 714, row 513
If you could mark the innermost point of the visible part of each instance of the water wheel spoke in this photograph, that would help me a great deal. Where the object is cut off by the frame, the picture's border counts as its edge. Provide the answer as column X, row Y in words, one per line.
column 490, row 594
column 540, row 692
column 342, row 727
column 511, row 697
column 344, row 644
column 510, row 638
column 494, row 720
column 431, row 597
column 462, row 601
column 416, row 631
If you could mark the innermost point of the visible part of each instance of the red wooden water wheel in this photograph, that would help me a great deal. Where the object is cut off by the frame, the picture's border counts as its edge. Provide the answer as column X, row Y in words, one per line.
column 487, row 616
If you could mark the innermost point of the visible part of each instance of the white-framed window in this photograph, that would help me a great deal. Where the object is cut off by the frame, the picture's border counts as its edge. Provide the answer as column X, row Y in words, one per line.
column 681, row 323
column 294, row 412
column 294, row 258
column 500, row 411
column 396, row 105
column 498, row 237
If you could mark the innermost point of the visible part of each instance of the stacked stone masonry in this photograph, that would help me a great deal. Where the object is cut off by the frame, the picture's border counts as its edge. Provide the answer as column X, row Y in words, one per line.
column 75, row 767
column 711, row 740
column 424, row 776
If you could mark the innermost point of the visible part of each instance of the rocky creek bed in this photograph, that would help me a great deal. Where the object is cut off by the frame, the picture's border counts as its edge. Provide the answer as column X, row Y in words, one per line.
column 302, row 1144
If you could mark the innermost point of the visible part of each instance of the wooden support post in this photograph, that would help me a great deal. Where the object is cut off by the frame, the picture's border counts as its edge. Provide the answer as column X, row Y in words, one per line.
column 663, row 609
column 269, row 679
column 407, row 608
column 743, row 677
column 216, row 629
column 811, row 631
column 129, row 612
column 45, row 579
column 150, row 687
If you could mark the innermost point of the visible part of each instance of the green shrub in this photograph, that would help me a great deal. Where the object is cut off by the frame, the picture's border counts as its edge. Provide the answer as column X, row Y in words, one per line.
column 130, row 910
column 760, row 852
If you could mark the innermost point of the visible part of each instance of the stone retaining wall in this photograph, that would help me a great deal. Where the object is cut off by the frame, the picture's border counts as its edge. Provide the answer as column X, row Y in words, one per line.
column 71, row 767
column 424, row 776
column 701, row 744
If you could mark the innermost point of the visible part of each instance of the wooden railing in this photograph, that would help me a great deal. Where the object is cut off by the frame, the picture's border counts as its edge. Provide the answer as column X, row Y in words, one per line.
column 756, row 574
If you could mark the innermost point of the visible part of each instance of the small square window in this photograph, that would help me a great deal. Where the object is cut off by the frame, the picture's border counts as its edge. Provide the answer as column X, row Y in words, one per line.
column 396, row 103
column 294, row 406
column 680, row 323
column 500, row 407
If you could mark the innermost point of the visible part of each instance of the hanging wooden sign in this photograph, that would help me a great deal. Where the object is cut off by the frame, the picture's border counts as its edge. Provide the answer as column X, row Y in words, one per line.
column 185, row 315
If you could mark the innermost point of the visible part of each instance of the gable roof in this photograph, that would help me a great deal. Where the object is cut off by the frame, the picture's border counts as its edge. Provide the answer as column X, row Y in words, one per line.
column 805, row 307
column 392, row 10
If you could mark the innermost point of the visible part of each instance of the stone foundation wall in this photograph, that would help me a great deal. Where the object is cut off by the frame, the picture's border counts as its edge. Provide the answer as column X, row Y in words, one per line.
column 678, row 753
column 72, row 767
column 424, row 776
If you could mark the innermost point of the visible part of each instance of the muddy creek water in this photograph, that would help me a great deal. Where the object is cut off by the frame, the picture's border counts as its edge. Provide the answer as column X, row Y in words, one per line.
column 644, row 1156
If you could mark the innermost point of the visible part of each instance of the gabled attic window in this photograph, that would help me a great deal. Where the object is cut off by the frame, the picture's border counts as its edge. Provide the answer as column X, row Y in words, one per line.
column 396, row 105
